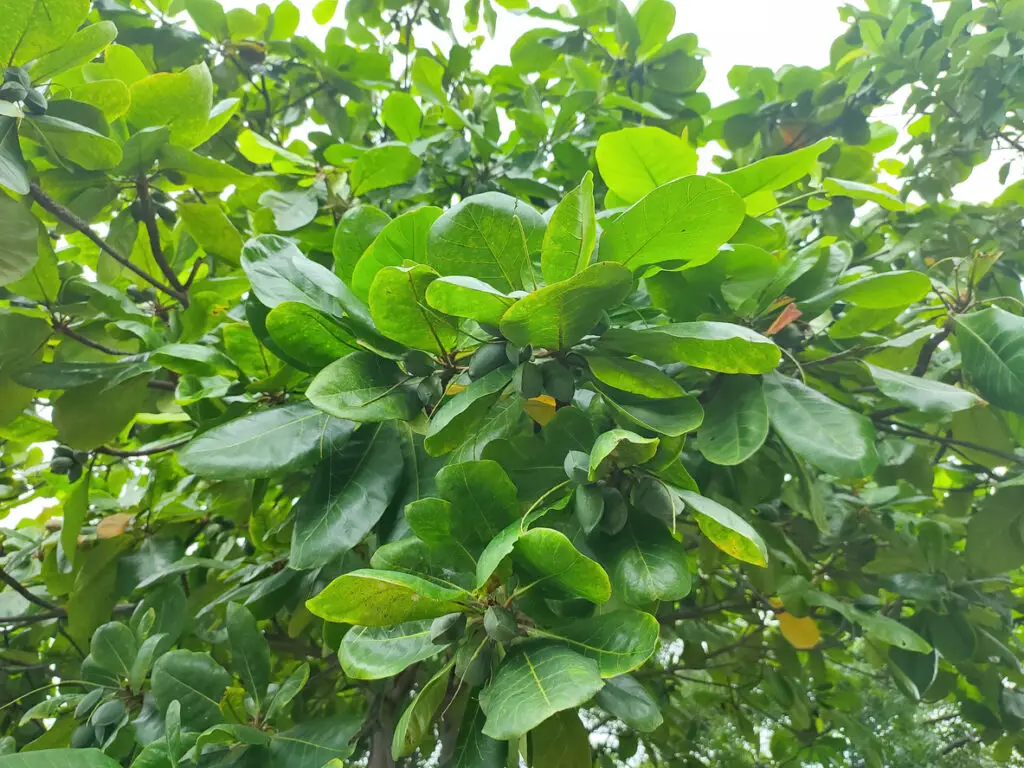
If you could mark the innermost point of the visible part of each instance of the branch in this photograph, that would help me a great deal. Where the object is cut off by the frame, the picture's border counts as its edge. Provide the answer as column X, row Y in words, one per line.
column 961, row 742
column 76, row 222
column 925, row 358
column 697, row 611
column 58, row 613
column 72, row 334
column 17, row 586
column 149, row 219
column 913, row 432
column 108, row 451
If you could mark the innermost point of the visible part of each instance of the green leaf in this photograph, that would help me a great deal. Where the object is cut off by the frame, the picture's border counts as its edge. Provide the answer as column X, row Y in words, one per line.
column 823, row 433
column 196, row 359
column 553, row 561
column 356, row 231
column 13, row 176
column 279, row 272
column 481, row 237
column 265, row 443
column 571, row 234
column 721, row 347
column 113, row 647
column 922, row 394
column 418, row 718
column 889, row 289
column 196, row 681
column 402, row 239
column 400, row 311
column 994, row 532
column 561, row 741
column 561, row 314
column 369, row 653
column 468, row 297
column 213, row 230
column 619, row 448
column 635, row 161
column 363, row 387
column 347, row 497
column 288, row 690
column 473, row 749
column 32, row 29
column 59, row 758
column 753, row 182
column 647, row 564
column 874, row 193
column 453, row 423
column 633, row 376
column 180, row 100
column 654, row 22
column 309, row 337
column 992, row 352
column 619, row 641
column 383, row 598
column 316, row 743
column 89, row 416
column 383, row 166
column 19, row 250
column 293, row 208
column 892, row 632
column 532, row 684
column 628, row 700
column 250, row 653
column 209, row 17
column 75, row 510
column 81, row 47
column 401, row 114
column 735, row 422
column 74, row 142
column 725, row 529
column 683, row 222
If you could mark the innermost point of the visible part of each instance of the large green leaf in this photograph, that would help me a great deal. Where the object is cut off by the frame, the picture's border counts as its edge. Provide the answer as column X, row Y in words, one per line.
column 457, row 418
column 279, row 272
column 672, row 417
column 250, row 652
column 533, row 683
column 383, row 166
column 82, row 46
column 193, row 679
column 553, row 561
column 825, row 434
column 316, row 743
column 31, row 29
column 619, row 448
column 59, row 758
column 349, row 494
column 570, row 235
column 417, row 719
column 753, row 182
column 373, row 598
column 474, row 749
column 634, row 161
column 213, row 230
column 400, row 311
column 309, row 337
column 402, row 239
column 735, row 421
column 561, row 741
column 992, row 352
column 920, row 393
column 468, row 297
column 619, row 641
column 490, row 237
column 13, row 176
column 726, row 530
column 402, row 115
column 373, row 653
column 113, row 647
column 633, row 376
column 889, row 289
column 647, row 564
column 19, row 250
column 684, row 221
column 89, row 416
column 561, row 314
column 721, row 347
column 265, row 443
column 363, row 387
column 73, row 141
column 995, row 542
column 629, row 701
column 355, row 233
column 180, row 100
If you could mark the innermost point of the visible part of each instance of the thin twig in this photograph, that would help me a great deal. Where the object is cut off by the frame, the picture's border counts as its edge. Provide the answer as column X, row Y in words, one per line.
column 925, row 358
column 65, row 330
column 149, row 219
column 109, row 451
column 17, row 586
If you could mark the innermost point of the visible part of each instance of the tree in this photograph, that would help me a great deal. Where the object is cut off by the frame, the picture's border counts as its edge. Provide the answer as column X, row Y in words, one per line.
column 385, row 410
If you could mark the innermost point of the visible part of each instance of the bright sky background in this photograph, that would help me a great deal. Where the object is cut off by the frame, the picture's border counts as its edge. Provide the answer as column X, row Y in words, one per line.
column 757, row 32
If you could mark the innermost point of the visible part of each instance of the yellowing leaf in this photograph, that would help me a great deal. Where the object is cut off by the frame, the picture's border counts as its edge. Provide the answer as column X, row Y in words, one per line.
column 801, row 633
column 541, row 409
column 113, row 526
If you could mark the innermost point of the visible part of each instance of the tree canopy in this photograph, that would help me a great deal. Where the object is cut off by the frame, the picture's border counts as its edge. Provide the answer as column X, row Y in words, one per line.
column 385, row 411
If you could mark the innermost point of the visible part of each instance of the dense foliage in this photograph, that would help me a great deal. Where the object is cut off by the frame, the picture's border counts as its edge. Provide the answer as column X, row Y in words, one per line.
column 384, row 410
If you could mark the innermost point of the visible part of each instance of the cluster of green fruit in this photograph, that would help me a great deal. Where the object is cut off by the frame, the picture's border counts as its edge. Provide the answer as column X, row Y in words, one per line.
column 160, row 207
column 17, row 87
column 473, row 658
column 68, row 462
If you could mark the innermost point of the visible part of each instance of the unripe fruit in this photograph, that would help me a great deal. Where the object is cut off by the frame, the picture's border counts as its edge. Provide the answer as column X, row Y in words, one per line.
column 82, row 737
column 18, row 75
column 61, row 464
column 13, row 91
column 488, row 358
column 528, row 380
column 577, row 466
column 63, row 450
column 589, row 505
column 108, row 713
column 558, row 381
column 500, row 624
column 35, row 102
column 615, row 511
column 654, row 498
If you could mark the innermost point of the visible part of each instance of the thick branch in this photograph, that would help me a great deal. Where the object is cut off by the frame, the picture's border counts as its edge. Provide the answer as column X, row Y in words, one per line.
column 149, row 219
column 17, row 586
column 76, row 222
column 925, row 358
column 72, row 334
column 109, row 451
